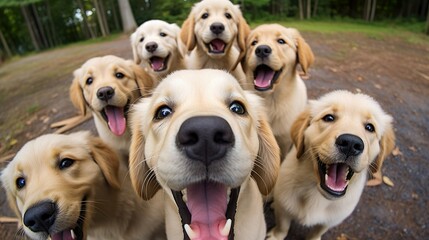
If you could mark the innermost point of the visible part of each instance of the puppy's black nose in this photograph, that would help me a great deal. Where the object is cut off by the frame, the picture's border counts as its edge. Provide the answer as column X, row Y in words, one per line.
column 263, row 51
column 205, row 138
column 41, row 217
column 217, row 28
column 105, row 93
column 350, row 145
column 151, row 46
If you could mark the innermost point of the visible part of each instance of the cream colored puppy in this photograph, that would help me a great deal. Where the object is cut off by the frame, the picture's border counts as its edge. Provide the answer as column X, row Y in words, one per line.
column 338, row 139
column 208, row 145
column 74, row 187
column 270, row 64
column 155, row 43
column 107, row 86
column 215, row 31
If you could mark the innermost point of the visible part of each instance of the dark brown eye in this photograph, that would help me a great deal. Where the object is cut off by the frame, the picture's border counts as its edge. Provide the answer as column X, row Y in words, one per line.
column 369, row 127
column 142, row 39
column 328, row 118
column 237, row 107
column 254, row 43
column 205, row 15
column 281, row 41
column 65, row 163
column 163, row 112
column 227, row 15
column 20, row 182
column 119, row 75
column 162, row 34
column 89, row 81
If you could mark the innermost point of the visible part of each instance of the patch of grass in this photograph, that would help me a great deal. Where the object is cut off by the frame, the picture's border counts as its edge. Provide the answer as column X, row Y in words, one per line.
column 33, row 108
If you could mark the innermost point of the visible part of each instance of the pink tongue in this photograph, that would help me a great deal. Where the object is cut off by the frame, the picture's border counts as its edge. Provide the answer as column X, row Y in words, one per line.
column 64, row 235
column 116, row 119
column 264, row 77
column 337, row 177
column 218, row 45
column 207, row 203
column 157, row 63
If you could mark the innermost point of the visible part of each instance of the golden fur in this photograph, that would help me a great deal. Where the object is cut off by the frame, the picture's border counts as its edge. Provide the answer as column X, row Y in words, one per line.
column 93, row 177
column 251, row 163
column 299, row 193
column 196, row 35
column 287, row 96
column 131, row 83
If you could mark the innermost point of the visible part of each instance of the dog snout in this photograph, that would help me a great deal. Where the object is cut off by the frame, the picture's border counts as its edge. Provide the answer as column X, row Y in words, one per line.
column 349, row 145
column 105, row 93
column 151, row 47
column 263, row 51
column 41, row 217
column 205, row 138
column 217, row 28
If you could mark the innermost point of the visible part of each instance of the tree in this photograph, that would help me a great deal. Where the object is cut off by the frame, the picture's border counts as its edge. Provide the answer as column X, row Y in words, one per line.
column 427, row 21
column 128, row 22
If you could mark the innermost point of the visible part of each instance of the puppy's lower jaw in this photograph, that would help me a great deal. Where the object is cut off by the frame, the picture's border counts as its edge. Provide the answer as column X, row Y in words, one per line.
column 216, row 46
column 115, row 118
column 159, row 64
column 334, row 178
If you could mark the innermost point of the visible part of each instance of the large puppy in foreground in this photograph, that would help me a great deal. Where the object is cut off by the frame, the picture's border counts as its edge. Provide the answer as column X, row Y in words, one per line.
column 107, row 86
column 270, row 65
column 210, row 148
column 74, row 187
column 338, row 140
column 215, row 31
column 155, row 43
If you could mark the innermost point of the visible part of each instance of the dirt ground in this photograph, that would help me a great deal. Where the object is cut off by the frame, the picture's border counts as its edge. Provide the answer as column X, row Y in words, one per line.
column 34, row 94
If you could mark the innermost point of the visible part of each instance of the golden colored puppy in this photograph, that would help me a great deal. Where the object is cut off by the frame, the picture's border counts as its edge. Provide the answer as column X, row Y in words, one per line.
column 270, row 64
column 155, row 43
column 107, row 86
column 338, row 139
column 208, row 145
column 215, row 31
column 74, row 187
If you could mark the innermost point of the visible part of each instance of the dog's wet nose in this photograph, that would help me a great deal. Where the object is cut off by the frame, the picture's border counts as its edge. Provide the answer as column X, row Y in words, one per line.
column 105, row 93
column 41, row 217
column 217, row 28
column 263, row 51
column 350, row 145
column 205, row 138
column 151, row 46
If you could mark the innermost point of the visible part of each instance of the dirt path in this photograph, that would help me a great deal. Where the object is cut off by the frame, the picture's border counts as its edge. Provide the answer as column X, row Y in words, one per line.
column 34, row 93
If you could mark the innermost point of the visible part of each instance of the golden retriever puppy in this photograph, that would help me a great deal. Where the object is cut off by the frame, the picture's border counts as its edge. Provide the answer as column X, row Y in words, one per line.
column 215, row 31
column 270, row 64
column 155, row 43
column 208, row 145
column 107, row 86
column 338, row 139
column 74, row 187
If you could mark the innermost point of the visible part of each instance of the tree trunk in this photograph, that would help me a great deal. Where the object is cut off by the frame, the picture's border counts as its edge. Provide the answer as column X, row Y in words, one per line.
column 128, row 22
column 316, row 3
column 30, row 28
column 301, row 10
column 86, row 26
column 103, row 17
column 114, row 10
column 427, row 22
column 39, row 27
column 308, row 5
column 374, row 4
column 51, row 24
column 5, row 45
column 100, row 18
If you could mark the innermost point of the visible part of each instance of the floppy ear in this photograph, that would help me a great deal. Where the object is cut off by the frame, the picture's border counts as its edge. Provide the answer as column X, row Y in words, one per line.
column 143, row 80
column 106, row 159
column 305, row 54
column 297, row 131
column 143, row 178
column 11, row 198
column 243, row 33
column 76, row 94
column 136, row 55
column 266, row 168
column 187, row 35
column 387, row 144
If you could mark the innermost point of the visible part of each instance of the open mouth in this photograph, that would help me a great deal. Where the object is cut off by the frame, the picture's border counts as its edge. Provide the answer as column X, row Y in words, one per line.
column 159, row 64
column 116, row 118
column 334, row 178
column 216, row 46
column 265, row 77
column 75, row 233
column 208, row 212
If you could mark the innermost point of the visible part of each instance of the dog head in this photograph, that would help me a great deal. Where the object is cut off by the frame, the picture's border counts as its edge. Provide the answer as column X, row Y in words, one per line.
column 215, row 25
column 200, row 133
column 53, row 182
column 344, row 134
column 273, row 53
column 155, row 43
column 108, row 85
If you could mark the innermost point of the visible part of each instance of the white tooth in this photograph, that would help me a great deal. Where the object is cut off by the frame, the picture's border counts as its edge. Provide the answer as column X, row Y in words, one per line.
column 211, row 47
column 225, row 230
column 73, row 235
column 326, row 177
column 190, row 232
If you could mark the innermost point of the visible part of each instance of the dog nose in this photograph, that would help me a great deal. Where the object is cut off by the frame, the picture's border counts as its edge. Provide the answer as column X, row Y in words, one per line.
column 350, row 145
column 263, row 51
column 151, row 46
column 217, row 28
column 205, row 138
column 41, row 217
column 105, row 93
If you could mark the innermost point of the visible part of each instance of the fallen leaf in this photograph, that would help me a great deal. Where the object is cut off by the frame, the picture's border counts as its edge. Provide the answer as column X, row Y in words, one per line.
column 13, row 142
column 412, row 148
column 358, row 90
column 46, row 120
column 396, row 152
column 333, row 69
column 54, row 110
column 387, row 181
column 414, row 196
column 378, row 86
column 360, row 78
column 342, row 237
